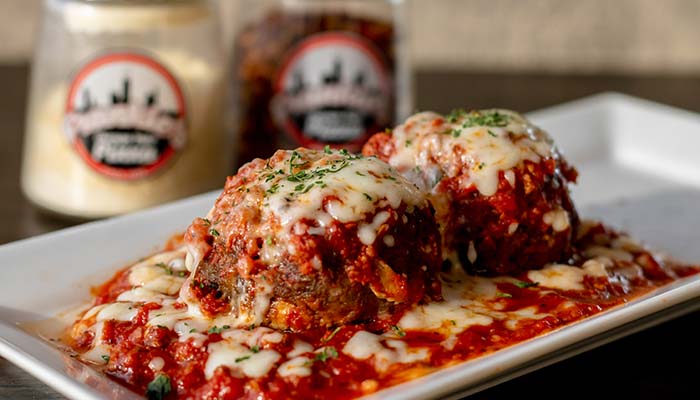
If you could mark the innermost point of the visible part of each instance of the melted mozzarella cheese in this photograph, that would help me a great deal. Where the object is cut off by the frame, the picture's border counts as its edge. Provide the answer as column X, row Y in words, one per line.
column 300, row 348
column 429, row 142
column 468, row 301
column 239, row 358
column 355, row 187
column 567, row 277
column 558, row 219
column 385, row 351
column 368, row 232
column 117, row 312
column 297, row 366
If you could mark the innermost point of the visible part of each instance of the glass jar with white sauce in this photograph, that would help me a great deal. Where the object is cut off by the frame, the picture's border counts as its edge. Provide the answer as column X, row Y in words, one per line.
column 126, row 106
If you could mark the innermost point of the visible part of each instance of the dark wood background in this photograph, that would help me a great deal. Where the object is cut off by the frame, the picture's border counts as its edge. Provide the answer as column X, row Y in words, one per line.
column 658, row 363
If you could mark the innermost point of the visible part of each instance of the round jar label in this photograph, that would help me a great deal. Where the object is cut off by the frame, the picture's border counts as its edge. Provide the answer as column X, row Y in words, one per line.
column 125, row 115
column 333, row 88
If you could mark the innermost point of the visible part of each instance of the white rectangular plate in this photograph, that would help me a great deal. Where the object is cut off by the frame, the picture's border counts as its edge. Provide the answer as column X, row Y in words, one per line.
column 639, row 172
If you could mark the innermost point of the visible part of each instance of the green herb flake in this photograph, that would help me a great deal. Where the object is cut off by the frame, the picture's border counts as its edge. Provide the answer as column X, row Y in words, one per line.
column 327, row 149
column 215, row 329
column 368, row 197
column 454, row 323
column 105, row 358
column 398, row 331
column 158, row 388
column 455, row 115
column 408, row 143
column 491, row 133
column 481, row 165
column 360, row 173
column 214, row 232
column 504, row 295
column 488, row 118
column 326, row 339
column 255, row 349
column 268, row 240
column 326, row 354
column 239, row 359
column 525, row 285
column 273, row 189
column 193, row 330
column 167, row 269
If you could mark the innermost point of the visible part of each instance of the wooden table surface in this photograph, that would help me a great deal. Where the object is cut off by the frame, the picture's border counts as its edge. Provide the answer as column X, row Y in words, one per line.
column 658, row 363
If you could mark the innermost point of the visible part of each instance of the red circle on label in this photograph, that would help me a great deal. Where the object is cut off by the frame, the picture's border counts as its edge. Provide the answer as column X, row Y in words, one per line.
column 322, row 40
column 93, row 66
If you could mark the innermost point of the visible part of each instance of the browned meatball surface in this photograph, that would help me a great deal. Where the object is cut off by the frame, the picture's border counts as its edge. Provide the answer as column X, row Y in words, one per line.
column 314, row 239
column 498, row 184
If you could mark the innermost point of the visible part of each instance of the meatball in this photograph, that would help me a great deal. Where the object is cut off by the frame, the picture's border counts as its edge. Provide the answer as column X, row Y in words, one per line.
column 498, row 184
column 313, row 239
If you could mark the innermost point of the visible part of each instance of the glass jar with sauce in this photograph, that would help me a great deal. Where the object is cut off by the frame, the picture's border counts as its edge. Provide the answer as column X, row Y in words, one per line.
column 126, row 106
column 318, row 72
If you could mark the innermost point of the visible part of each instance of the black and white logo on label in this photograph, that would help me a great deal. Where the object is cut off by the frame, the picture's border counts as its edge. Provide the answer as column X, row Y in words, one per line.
column 125, row 115
column 333, row 88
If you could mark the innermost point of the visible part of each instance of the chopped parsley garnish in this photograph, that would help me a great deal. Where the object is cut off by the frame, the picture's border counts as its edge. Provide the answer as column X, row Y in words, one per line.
column 482, row 165
column 525, row 285
column 273, row 188
column 359, row 173
column 158, row 388
column 454, row 323
column 216, row 329
column 323, row 356
column 504, row 295
column 491, row 118
column 478, row 118
column 239, row 359
column 255, row 349
column 398, row 331
column 491, row 133
column 408, row 143
column 326, row 339
column 456, row 132
column 214, row 232
column 268, row 240
column 368, row 197
column 181, row 274
column 165, row 267
column 455, row 114
column 193, row 330
column 327, row 149
column 206, row 221
column 105, row 357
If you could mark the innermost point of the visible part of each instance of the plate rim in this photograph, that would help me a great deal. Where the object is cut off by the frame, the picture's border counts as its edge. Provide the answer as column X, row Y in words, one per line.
column 443, row 382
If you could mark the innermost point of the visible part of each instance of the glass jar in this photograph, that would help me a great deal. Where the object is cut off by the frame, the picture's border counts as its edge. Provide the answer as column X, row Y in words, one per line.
column 126, row 106
column 318, row 72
